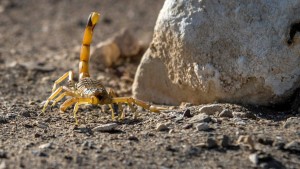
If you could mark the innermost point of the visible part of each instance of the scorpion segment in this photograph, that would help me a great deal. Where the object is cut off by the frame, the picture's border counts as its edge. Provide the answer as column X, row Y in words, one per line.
column 130, row 101
column 85, row 47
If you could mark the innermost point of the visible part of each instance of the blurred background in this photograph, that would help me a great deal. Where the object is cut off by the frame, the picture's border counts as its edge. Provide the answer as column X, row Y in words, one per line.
column 48, row 29
column 40, row 40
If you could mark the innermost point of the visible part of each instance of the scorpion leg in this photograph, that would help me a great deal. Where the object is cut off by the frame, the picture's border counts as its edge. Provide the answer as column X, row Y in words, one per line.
column 133, row 109
column 77, row 101
column 62, row 78
column 112, row 112
column 137, row 102
column 117, row 106
column 75, row 111
column 67, row 93
column 67, row 104
column 52, row 96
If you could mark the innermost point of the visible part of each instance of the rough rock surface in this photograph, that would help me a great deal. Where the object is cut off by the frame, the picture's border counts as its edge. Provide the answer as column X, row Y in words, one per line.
column 109, row 52
column 205, row 51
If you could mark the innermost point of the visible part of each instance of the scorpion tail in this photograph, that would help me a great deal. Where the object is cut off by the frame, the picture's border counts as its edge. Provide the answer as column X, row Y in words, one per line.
column 85, row 47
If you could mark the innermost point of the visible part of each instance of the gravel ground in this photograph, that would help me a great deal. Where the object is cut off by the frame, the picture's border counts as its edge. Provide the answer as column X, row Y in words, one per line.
column 41, row 41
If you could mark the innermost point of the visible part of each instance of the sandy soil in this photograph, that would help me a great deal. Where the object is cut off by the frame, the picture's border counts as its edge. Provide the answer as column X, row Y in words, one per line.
column 40, row 40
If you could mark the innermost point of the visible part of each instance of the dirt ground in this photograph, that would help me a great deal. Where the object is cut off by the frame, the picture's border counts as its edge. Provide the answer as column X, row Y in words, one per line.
column 40, row 41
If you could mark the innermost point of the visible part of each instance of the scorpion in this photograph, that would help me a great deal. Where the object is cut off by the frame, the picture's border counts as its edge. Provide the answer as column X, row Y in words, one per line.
column 88, row 90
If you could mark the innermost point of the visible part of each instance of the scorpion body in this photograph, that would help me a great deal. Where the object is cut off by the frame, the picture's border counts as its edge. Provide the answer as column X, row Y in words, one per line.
column 88, row 90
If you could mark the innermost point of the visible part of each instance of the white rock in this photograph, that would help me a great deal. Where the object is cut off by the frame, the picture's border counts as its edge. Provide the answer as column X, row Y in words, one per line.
column 211, row 109
column 106, row 127
column 206, row 51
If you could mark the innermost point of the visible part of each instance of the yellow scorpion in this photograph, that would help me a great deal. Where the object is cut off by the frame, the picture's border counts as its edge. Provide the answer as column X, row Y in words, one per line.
column 88, row 90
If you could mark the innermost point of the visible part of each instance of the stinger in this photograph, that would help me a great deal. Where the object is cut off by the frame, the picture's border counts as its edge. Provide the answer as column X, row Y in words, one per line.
column 85, row 47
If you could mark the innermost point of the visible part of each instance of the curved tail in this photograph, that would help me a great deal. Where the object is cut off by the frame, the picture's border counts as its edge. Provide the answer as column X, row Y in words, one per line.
column 85, row 47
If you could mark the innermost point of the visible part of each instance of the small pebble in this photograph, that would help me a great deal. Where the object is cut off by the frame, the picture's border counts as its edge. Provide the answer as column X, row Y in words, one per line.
column 185, row 104
column 3, row 154
column 211, row 109
column 3, row 119
column 28, row 145
column 211, row 143
column 31, row 103
column 265, row 141
column 202, row 127
column 41, row 124
column 253, row 158
column 87, row 144
column 105, row 127
column 225, row 141
column 3, row 165
column 11, row 115
column 278, row 144
column 246, row 140
column 161, row 127
column 226, row 113
column 292, row 121
column 215, row 120
column 32, row 65
column 171, row 131
column 2, row 8
column 200, row 118
column 264, row 160
column 37, row 135
column 187, row 113
column 172, row 148
column 168, row 124
column 69, row 158
column 148, row 134
column 45, row 79
column 46, row 146
column 179, row 119
column 133, row 138
column 25, row 114
column 191, row 150
column 239, row 121
column 244, row 115
column 39, row 153
column 27, row 125
column 293, row 146
column 187, row 126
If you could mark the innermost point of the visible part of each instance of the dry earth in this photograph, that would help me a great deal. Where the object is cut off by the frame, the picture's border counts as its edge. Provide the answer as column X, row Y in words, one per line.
column 40, row 41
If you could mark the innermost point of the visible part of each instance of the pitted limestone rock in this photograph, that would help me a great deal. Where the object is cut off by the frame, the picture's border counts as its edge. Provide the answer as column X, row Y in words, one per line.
column 205, row 51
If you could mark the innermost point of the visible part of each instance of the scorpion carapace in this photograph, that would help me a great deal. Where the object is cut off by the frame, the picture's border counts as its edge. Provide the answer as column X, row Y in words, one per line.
column 88, row 90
